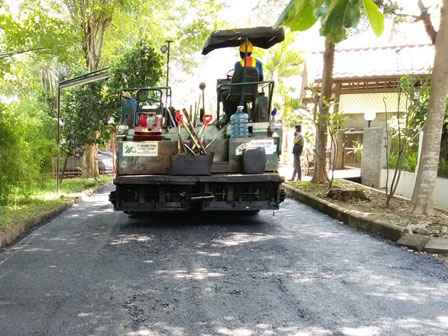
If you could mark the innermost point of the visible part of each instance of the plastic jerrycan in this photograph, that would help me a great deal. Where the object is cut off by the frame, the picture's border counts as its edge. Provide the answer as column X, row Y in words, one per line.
column 239, row 124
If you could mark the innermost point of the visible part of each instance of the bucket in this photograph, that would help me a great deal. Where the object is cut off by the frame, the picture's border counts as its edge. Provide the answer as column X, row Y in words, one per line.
column 191, row 165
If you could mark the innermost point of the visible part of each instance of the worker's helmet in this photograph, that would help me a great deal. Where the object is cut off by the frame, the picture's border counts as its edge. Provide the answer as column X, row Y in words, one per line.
column 126, row 95
column 249, row 47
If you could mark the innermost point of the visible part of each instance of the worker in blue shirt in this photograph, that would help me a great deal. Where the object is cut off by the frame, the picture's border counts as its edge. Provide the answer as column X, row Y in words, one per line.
column 250, row 61
column 129, row 107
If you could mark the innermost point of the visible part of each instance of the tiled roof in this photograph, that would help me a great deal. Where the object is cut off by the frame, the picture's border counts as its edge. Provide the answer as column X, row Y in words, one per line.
column 374, row 62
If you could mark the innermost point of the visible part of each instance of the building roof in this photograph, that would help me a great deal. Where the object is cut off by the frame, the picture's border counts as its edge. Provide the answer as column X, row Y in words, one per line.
column 355, row 63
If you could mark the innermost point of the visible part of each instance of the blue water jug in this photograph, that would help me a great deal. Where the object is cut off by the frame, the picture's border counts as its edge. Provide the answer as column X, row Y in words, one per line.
column 239, row 124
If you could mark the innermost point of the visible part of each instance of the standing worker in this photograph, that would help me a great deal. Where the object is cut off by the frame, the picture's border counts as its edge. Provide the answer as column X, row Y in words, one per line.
column 129, row 107
column 250, row 61
column 297, row 152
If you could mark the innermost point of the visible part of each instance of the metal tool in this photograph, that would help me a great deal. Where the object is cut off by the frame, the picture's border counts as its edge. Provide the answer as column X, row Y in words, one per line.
column 205, row 121
column 194, row 135
column 217, row 135
column 178, row 118
column 180, row 122
column 193, row 138
column 197, row 111
column 202, row 88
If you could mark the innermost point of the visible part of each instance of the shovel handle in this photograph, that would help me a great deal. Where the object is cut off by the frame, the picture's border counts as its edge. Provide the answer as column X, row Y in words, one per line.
column 195, row 136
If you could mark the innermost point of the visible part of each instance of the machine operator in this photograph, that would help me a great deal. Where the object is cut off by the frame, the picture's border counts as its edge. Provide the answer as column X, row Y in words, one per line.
column 250, row 61
column 229, row 106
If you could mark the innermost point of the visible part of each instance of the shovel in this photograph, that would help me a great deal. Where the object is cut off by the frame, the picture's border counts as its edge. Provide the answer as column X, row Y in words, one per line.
column 193, row 134
column 205, row 121
column 179, row 122
column 178, row 118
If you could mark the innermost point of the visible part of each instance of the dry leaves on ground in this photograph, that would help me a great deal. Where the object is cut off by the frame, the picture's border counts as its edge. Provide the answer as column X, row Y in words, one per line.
column 398, row 212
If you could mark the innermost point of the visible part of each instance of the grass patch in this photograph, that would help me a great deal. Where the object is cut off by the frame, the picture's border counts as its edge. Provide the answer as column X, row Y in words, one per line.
column 316, row 189
column 76, row 185
column 45, row 199
column 15, row 213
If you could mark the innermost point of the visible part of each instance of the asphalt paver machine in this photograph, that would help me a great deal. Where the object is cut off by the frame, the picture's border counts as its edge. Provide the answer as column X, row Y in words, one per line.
column 179, row 160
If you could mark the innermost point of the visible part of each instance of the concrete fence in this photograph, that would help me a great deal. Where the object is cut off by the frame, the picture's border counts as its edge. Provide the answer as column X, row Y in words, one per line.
column 406, row 187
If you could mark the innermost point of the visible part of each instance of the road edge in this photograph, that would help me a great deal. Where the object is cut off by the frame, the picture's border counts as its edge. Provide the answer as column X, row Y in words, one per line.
column 8, row 236
column 18, row 228
column 361, row 222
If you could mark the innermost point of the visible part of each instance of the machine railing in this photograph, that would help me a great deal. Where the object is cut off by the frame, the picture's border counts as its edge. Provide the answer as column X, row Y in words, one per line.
column 269, row 84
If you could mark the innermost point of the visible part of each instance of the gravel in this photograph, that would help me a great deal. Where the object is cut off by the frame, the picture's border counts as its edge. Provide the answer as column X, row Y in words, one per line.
column 92, row 271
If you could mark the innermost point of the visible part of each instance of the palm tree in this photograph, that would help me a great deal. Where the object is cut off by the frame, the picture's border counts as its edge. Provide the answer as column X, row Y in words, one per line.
column 281, row 65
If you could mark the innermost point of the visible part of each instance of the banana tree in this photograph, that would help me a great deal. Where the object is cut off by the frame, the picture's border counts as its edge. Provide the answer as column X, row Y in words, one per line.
column 336, row 18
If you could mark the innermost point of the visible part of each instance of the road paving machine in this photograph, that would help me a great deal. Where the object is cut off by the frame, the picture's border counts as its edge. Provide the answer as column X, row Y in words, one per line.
column 179, row 160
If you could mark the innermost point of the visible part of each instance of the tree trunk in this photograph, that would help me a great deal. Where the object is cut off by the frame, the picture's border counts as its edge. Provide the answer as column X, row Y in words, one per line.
column 426, row 18
column 320, row 158
column 429, row 160
column 90, row 161
column 63, row 170
column 93, row 40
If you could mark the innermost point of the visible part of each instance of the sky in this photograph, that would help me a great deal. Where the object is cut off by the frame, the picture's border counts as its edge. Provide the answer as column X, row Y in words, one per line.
column 239, row 13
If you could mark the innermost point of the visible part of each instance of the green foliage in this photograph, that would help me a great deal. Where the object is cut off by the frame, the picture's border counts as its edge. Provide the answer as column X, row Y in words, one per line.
column 195, row 20
column 91, row 19
column 341, row 15
column 187, row 23
column 85, row 116
column 301, row 16
column 443, row 167
column 443, row 160
column 408, row 161
column 289, row 108
column 376, row 19
column 140, row 66
column 416, row 91
column 25, row 148
column 44, row 199
column 357, row 150
column 337, row 16
column 335, row 121
column 35, row 31
column 281, row 64
column 28, row 130
column 43, row 43
column 86, row 109
column 74, row 185
column 10, row 214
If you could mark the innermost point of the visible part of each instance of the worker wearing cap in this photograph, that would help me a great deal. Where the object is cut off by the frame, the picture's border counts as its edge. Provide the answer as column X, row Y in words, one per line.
column 129, row 106
column 250, row 61
column 297, row 152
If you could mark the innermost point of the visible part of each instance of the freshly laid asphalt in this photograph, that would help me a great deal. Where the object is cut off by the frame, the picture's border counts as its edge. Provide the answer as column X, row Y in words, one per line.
column 92, row 271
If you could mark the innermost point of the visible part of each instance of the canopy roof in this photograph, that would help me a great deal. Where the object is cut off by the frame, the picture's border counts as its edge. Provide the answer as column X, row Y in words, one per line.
column 398, row 60
column 263, row 37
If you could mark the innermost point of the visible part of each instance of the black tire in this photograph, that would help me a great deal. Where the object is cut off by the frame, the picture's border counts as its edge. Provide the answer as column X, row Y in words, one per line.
column 249, row 213
column 135, row 214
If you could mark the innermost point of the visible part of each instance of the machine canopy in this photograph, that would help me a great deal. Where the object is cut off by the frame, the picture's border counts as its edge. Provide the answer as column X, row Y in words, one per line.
column 263, row 37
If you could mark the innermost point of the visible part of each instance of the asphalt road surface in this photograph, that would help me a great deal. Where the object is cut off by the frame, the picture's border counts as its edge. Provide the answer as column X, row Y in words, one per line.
column 92, row 271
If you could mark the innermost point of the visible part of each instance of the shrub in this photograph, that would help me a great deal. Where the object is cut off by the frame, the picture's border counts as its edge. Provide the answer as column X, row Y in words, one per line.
column 443, row 167
column 408, row 161
column 25, row 149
